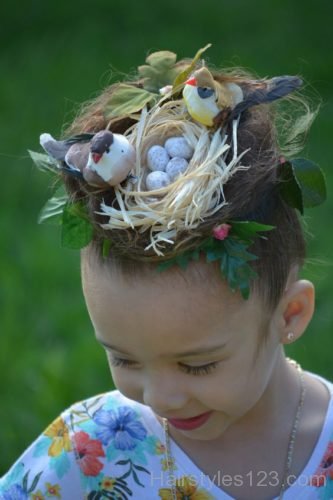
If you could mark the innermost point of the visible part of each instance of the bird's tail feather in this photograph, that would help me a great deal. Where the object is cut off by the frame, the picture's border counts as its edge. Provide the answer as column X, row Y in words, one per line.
column 272, row 90
column 56, row 149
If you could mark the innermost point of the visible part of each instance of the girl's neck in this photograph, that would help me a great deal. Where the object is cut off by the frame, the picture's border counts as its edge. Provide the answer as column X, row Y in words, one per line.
column 277, row 403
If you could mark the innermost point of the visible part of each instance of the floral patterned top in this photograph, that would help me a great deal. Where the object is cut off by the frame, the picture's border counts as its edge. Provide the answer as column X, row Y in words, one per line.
column 110, row 447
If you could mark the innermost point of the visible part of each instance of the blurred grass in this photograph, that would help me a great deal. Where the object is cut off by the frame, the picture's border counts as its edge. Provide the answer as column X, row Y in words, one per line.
column 54, row 56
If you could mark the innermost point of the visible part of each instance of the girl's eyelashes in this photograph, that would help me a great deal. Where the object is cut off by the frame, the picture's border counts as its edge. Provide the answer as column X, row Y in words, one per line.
column 192, row 370
column 120, row 362
column 199, row 370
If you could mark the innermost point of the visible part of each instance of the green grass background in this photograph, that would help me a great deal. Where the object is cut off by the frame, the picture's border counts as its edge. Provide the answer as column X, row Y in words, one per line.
column 54, row 56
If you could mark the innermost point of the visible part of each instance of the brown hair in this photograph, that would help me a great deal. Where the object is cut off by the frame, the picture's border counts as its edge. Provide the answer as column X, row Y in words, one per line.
column 252, row 194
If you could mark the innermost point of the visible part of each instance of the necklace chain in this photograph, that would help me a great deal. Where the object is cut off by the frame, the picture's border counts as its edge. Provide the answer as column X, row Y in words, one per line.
column 290, row 449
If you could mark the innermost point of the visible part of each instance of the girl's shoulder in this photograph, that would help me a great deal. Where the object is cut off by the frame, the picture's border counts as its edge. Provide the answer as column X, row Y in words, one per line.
column 316, row 479
column 98, row 444
column 327, row 383
column 113, row 401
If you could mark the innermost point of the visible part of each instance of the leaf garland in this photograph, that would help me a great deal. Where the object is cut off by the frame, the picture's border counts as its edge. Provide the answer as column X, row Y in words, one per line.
column 302, row 183
column 232, row 253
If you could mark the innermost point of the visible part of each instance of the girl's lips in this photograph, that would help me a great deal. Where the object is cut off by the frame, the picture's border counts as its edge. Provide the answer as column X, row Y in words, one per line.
column 190, row 423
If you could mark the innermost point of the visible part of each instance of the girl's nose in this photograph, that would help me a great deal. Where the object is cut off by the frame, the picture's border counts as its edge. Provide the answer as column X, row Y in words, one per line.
column 163, row 394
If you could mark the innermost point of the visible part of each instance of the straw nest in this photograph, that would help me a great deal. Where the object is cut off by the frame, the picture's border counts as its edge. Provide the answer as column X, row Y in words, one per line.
column 164, row 222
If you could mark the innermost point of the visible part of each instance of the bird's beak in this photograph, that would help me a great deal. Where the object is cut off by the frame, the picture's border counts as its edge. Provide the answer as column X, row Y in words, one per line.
column 191, row 81
column 96, row 157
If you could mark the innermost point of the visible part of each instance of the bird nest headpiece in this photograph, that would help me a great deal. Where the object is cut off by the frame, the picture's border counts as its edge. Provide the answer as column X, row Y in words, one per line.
column 153, row 192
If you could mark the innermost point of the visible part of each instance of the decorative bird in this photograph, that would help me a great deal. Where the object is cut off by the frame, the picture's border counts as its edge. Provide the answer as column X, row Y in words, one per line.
column 100, row 159
column 213, row 101
column 206, row 98
column 111, row 156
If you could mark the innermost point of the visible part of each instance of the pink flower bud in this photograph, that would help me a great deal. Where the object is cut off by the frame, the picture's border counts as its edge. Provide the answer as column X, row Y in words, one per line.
column 221, row 232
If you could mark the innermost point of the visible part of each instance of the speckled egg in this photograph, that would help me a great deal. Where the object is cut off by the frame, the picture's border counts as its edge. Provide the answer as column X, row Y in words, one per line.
column 178, row 146
column 157, row 158
column 175, row 167
column 157, row 180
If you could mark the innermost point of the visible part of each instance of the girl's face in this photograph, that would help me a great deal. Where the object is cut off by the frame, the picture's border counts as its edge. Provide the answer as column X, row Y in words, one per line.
column 182, row 349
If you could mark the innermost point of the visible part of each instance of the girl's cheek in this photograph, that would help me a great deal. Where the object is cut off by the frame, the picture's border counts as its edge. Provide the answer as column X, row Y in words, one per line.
column 127, row 383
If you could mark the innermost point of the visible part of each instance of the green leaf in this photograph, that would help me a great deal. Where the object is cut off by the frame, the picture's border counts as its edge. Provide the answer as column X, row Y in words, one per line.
column 290, row 189
column 212, row 255
column 302, row 184
column 161, row 60
column 183, row 76
column 44, row 162
column 311, row 181
column 232, row 253
column 127, row 99
column 52, row 211
column 247, row 230
column 163, row 266
column 238, row 249
column 106, row 248
column 159, row 71
column 181, row 260
column 235, row 267
column 234, row 258
column 244, row 275
column 77, row 230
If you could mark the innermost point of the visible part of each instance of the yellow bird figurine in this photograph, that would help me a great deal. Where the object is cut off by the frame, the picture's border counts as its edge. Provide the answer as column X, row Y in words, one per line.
column 206, row 98
column 215, row 100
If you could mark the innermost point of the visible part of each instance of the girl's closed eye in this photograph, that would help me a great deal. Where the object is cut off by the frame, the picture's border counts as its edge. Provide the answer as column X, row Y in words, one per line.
column 199, row 370
column 192, row 370
column 120, row 362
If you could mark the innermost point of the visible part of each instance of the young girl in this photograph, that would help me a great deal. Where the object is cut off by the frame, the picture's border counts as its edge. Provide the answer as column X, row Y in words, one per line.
column 183, row 193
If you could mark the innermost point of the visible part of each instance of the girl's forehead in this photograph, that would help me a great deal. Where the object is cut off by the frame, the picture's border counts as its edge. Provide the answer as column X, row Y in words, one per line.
column 165, row 309
column 199, row 286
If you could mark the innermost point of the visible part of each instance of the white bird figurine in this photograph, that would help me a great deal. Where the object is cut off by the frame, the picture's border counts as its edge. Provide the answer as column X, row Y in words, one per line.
column 215, row 100
column 100, row 159
column 111, row 156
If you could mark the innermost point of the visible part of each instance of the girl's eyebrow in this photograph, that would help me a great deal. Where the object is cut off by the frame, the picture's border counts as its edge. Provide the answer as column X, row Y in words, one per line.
column 193, row 352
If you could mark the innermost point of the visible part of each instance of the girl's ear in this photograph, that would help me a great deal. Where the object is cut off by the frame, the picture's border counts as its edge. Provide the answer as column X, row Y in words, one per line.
column 297, row 307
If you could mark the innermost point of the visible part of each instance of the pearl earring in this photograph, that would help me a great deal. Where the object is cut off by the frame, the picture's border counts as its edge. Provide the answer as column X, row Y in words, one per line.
column 290, row 336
